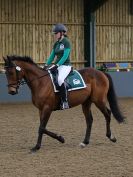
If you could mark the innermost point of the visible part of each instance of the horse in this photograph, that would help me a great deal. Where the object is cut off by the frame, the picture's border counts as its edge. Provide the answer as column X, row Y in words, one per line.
column 99, row 90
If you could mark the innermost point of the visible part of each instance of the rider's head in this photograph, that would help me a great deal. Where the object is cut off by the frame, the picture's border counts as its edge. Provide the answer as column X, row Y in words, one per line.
column 60, row 30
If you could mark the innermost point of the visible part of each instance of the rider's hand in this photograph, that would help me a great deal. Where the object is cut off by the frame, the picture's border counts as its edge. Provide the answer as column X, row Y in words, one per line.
column 53, row 68
column 45, row 66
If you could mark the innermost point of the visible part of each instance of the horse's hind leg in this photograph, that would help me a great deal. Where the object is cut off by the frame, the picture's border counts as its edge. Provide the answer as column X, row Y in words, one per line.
column 107, row 114
column 89, row 121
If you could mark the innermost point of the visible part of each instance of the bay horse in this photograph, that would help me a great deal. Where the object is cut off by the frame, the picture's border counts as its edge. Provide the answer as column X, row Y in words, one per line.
column 99, row 91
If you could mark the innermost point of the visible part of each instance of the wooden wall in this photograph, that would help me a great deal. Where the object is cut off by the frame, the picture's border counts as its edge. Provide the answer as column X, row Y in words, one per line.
column 26, row 26
column 114, row 32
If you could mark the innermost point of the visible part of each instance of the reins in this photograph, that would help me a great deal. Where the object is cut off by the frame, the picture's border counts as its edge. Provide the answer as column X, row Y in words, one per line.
column 25, row 82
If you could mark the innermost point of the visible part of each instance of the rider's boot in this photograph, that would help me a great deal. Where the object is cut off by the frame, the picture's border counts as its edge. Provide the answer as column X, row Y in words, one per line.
column 63, row 94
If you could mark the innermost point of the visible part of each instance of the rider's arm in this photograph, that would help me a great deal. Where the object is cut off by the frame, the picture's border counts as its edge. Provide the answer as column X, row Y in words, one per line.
column 64, row 57
column 51, row 57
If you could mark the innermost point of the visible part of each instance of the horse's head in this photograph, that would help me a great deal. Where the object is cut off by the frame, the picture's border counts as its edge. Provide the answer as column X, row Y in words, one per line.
column 14, row 75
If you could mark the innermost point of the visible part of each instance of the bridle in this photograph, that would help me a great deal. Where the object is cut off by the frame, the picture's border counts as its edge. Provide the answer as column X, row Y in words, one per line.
column 19, row 82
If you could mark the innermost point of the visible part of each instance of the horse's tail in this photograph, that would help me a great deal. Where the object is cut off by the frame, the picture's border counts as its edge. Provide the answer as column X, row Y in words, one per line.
column 112, row 98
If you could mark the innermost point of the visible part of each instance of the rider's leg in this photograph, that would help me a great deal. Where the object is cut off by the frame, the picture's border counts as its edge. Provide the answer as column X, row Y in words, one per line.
column 63, row 72
column 63, row 94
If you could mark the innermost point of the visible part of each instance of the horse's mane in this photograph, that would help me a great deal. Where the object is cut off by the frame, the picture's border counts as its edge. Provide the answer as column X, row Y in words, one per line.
column 21, row 58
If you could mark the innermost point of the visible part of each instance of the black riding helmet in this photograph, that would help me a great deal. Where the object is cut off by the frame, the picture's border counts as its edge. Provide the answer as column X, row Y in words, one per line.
column 59, row 28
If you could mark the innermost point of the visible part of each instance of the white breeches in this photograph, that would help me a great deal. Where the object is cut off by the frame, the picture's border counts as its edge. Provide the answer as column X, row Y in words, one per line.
column 63, row 72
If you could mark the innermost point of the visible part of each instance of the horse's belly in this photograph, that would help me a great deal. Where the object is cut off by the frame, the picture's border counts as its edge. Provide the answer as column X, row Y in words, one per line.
column 78, row 97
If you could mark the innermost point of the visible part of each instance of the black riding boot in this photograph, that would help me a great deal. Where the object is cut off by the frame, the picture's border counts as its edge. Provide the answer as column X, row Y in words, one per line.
column 63, row 94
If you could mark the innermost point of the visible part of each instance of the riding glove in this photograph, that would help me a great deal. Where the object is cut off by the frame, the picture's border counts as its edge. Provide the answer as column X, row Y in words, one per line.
column 53, row 68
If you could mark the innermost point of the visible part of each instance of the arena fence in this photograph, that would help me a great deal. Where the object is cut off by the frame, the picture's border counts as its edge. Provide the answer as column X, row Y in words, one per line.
column 114, row 36
column 26, row 28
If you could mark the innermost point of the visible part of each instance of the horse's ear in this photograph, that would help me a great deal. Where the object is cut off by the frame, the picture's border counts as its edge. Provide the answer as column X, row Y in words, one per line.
column 8, row 58
column 5, row 59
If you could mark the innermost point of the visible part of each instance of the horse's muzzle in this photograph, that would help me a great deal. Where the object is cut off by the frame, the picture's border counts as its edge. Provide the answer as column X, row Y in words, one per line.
column 13, row 91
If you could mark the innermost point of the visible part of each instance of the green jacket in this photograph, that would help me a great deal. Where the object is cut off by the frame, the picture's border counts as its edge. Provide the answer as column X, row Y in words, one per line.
column 61, row 50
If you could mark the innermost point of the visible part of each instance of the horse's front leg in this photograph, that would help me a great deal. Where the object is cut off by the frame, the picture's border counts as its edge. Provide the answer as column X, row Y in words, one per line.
column 44, row 117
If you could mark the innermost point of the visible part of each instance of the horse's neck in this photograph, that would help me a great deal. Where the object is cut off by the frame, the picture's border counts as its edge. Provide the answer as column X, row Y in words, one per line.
column 32, row 73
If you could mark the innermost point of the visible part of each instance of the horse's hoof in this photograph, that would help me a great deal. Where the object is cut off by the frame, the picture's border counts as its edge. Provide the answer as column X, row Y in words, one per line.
column 61, row 139
column 34, row 149
column 113, row 139
column 82, row 145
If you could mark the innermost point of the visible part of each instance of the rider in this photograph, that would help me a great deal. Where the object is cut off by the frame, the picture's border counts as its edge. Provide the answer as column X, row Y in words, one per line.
column 61, row 53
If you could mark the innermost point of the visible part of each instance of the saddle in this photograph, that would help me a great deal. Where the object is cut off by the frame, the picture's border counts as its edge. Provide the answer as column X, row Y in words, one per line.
column 74, row 81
